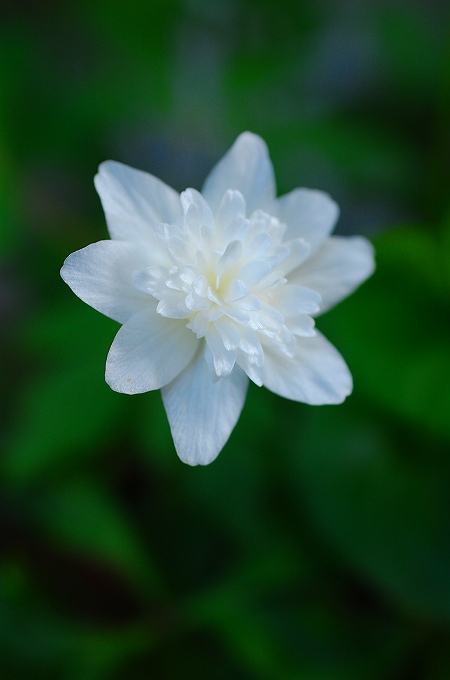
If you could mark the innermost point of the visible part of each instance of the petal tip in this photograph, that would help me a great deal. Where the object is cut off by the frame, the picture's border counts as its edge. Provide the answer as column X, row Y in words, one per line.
column 367, row 253
column 195, row 458
column 250, row 138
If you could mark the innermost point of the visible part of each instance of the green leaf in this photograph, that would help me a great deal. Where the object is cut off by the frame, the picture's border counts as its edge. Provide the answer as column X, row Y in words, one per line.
column 365, row 153
column 67, row 411
column 394, row 332
column 413, row 47
column 279, row 619
column 70, row 332
column 64, row 416
column 36, row 643
column 80, row 515
column 382, row 503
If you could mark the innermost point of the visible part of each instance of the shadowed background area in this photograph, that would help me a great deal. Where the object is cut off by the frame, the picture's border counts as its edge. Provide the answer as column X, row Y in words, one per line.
column 317, row 546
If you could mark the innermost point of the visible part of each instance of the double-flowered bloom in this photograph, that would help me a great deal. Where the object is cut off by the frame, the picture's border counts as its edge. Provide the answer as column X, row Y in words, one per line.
column 216, row 288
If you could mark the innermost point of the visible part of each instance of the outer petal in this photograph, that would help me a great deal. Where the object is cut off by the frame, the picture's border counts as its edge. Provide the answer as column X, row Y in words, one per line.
column 317, row 374
column 148, row 352
column 308, row 214
column 101, row 275
column 336, row 269
column 201, row 412
column 134, row 201
column 247, row 168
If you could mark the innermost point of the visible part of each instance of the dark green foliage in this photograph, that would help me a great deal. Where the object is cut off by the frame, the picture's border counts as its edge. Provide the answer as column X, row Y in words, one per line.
column 317, row 546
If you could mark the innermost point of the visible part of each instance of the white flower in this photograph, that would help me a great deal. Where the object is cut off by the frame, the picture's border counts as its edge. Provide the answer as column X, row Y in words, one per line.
column 217, row 287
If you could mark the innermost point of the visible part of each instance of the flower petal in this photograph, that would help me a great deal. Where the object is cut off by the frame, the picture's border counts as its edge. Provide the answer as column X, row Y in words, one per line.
column 317, row 374
column 308, row 214
column 231, row 208
column 337, row 268
column 299, row 251
column 247, row 168
column 196, row 211
column 291, row 300
column 148, row 352
column 102, row 276
column 201, row 412
column 134, row 201
column 224, row 359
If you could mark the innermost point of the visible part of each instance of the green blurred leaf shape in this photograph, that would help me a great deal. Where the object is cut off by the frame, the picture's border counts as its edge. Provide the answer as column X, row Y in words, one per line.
column 67, row 411
column 70, row 331
column 412, row 44
column 65, row 415
column 13, row 57
column 387, row 513
column 36, row 643
column 81, row 515
column 367, row 154
column 227, row 611
column 395, row 332
column 8, row 205
column 131, row 45
column 278, row 622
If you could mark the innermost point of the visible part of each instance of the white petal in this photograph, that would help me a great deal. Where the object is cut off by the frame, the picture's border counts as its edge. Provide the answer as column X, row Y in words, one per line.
column 224, row 358
column 236, row 290
column 149, row 279
column 291, row 300
column 260, row 245
column 179, row 249
column 299, row 251
column 197, row 214
column 229, row 332
column 317, row 374
column 230, row 256
column 195, row 302
column 336, row 269
column 148, row 352
column 250, row 303
column 134, row 201
column 200, row 285
column 254, row 271
column 231, row 208
column 199, row 324
column 202, row 413
column 247, row 168
column 308, row 214
column 173, row 306
column 301, row 324
column 250, row 344
column 102, row 276
column 265, row 319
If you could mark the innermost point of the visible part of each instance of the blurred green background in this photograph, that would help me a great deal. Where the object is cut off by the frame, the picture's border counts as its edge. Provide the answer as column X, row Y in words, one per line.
column 317, row 546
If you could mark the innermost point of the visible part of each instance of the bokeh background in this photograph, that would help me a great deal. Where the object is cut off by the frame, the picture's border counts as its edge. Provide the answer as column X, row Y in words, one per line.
column 317, row 546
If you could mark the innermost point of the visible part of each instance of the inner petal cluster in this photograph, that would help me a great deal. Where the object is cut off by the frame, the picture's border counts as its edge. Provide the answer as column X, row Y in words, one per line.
column 226, row 275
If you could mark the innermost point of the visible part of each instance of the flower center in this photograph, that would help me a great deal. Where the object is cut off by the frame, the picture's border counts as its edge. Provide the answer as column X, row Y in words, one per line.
column 225, row 276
